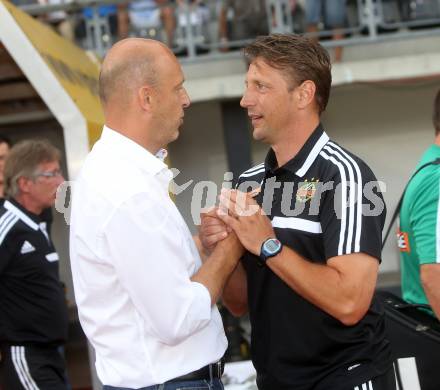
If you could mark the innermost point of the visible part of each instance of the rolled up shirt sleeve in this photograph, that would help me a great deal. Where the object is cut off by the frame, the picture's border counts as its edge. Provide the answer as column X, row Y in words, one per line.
column 152, row 256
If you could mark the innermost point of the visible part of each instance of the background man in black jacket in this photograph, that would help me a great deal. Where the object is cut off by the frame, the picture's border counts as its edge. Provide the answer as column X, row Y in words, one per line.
column 33, row 312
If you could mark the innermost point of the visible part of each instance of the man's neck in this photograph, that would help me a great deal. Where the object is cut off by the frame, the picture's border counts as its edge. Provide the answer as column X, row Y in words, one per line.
column 288, row 146
column 28, row 204
column 437, row 139
column 128, row 132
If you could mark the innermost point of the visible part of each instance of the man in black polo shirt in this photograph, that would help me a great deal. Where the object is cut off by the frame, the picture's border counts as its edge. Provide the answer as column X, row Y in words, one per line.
column 311, row 218
column 33, row 312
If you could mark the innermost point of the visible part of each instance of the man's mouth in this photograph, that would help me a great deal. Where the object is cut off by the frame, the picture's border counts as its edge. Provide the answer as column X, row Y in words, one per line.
column 255, row 118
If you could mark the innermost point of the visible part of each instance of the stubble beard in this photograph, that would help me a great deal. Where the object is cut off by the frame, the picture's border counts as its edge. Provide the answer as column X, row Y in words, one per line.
column 260, row 134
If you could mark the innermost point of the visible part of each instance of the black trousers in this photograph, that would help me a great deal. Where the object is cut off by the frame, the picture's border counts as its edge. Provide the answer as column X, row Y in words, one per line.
column 32, row 368
column 385, row 381
column 339, row 380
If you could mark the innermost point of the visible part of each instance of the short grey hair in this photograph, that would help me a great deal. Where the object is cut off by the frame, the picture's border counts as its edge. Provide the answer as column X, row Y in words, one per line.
column 23, row 161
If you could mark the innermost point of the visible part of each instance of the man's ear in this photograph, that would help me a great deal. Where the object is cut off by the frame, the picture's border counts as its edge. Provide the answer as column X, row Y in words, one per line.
column 145, row 98
column 24, row 184
column 306, row 94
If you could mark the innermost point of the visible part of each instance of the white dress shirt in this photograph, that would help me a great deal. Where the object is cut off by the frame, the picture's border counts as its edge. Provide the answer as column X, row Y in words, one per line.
column 132, row 258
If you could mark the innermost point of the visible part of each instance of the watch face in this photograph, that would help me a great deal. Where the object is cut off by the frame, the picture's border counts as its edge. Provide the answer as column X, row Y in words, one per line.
column 272, row 245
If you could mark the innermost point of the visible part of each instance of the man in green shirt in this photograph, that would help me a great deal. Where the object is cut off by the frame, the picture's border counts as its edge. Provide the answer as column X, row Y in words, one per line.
column 419, row 235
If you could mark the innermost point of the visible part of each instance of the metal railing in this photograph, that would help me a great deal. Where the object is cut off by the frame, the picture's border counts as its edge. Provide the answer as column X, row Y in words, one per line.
column 368, row 21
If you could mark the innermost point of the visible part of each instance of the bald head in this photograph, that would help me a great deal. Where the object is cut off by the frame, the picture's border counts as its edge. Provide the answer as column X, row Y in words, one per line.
column 129, row 65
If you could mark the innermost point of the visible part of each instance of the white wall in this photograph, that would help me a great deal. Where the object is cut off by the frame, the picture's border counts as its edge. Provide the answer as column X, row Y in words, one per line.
column 199, row 153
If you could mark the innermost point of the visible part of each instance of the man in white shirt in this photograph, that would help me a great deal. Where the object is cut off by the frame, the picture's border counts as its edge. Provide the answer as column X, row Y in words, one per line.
column 145, row 301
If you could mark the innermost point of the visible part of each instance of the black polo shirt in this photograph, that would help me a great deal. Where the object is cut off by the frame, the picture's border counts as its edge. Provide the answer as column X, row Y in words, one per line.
column 32, row 302
column 321, row 207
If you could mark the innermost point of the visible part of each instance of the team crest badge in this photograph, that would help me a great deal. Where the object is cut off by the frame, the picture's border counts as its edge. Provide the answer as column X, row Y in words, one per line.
column 307, row 190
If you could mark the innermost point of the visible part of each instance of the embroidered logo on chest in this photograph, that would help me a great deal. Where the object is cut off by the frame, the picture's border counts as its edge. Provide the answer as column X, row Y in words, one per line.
column 27, row 247
column 307, row 190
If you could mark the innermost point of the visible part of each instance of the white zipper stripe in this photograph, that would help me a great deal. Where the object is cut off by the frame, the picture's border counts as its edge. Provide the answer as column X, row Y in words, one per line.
column 43, row 229
column 357, row 243
column 344, row 197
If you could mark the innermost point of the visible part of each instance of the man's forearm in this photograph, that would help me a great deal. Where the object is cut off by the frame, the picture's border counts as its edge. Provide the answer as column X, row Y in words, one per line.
column 343, row 292
column 216, row 270
column 430, row 275
column 204, row 254
column 434, row 300
column 234, row 295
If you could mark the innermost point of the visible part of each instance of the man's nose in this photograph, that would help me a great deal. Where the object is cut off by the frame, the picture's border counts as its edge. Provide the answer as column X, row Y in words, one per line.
column 60, row 179
column 244, row 102
column 186, row 99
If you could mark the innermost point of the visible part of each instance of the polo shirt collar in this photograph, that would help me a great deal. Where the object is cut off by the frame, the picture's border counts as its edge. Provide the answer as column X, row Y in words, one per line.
column 300, row 164
column 129, row 149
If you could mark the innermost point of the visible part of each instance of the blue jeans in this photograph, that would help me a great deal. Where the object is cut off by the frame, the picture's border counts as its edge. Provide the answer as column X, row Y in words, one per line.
column 214, row 384
column 334, row 12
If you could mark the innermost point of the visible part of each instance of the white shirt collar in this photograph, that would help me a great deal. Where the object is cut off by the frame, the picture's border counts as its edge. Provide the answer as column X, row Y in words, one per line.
column 130, row 149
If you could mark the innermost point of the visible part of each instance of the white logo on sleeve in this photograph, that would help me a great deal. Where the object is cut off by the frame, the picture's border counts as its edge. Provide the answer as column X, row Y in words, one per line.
column 27, row 247
column 52, row 257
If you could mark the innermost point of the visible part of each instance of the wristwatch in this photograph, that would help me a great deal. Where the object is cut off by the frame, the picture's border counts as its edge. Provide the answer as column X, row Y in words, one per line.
column 270, row 248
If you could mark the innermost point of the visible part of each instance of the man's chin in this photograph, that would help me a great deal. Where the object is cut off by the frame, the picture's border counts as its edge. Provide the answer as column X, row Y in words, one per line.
column 258, row 134
column 174, row 136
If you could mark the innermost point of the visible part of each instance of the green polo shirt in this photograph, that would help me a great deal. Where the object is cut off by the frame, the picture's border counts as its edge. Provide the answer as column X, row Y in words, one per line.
column 419, row 236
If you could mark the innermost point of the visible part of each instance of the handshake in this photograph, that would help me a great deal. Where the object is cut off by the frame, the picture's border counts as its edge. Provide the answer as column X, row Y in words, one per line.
column 238, row 222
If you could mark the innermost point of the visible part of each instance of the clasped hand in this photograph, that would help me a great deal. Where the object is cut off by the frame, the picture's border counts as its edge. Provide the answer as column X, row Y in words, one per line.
column 239, row 213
